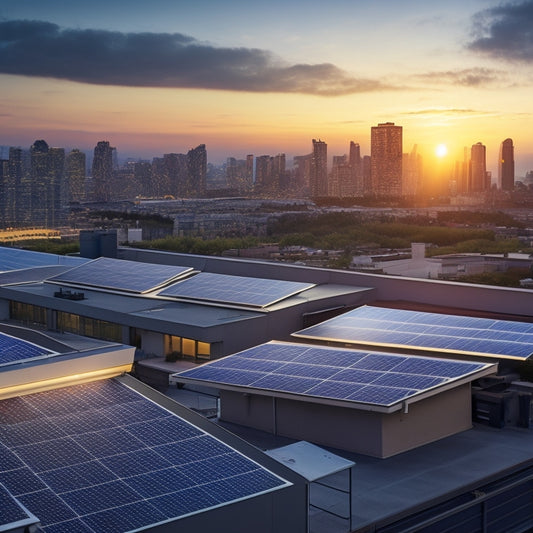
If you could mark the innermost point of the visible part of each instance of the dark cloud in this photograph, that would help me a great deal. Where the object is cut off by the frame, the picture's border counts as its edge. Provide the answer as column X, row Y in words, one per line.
column 36, row 48
column 505, row 31
column 473, row 77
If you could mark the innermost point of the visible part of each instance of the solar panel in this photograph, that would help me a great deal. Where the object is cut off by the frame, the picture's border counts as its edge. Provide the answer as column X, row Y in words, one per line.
column 120, row 275
column 17, row 259
column 426, row 331
column 13, row 350
column 130, row 473
column 11, row 510
column 334, row 373
column 237, row 290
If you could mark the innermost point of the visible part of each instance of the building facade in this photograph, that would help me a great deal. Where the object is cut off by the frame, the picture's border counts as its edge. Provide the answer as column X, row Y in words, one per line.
column 478, row 168
column 386, row 155
column 102, row 171
column 318, row 182
column 506, row 166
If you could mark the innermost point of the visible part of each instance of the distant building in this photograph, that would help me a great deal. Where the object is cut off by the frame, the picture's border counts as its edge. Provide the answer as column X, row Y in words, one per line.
column 356, row 168
column 102, row 171
column 412, row 172
column 506, row 166
column 197, row 167
column 239, row 173
column 478, row 168
column 386, row 154
column 318, row 182
column 75, row 166
column 47, row 175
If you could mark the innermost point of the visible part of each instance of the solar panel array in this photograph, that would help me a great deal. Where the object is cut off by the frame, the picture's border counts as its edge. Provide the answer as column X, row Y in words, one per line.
column 237, row 290
column 17, row 259
column 427, row 331
column 11, row 511
column 102, row 458
column 13, row 350
column 335, row 373
column 117, row 274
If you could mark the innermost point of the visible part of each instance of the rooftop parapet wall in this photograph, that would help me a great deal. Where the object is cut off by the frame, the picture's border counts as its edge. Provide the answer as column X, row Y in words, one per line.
column 483, row 298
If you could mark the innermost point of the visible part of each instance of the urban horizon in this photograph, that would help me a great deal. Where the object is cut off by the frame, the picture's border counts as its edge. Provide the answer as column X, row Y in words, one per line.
column 440, row 155
column 161, row 78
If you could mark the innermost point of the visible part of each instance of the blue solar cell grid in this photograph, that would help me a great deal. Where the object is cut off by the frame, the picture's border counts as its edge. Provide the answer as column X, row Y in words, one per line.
column 117, row 274
column 348, row 375
column 10, row 510
column 397, row 327
column 238, row 290
column 13, row 350
column 16, row 259
column 141, row 466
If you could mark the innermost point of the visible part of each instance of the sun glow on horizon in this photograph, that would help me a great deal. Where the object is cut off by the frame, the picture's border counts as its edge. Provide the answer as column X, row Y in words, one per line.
column 441, row 150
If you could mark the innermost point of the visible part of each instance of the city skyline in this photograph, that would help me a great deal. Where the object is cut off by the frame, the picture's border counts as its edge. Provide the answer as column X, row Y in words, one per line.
column 159, row 77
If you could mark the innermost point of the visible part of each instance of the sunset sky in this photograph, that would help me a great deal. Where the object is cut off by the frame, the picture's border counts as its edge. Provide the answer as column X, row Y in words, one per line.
column 162, row 76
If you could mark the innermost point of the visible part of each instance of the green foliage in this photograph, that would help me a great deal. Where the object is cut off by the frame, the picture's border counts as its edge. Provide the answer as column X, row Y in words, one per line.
column 509, row 278
column 197, row 245
column 51, row 246
column 475, row 218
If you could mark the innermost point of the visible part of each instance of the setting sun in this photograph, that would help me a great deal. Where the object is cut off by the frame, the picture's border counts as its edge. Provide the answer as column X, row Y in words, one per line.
column 441, row 150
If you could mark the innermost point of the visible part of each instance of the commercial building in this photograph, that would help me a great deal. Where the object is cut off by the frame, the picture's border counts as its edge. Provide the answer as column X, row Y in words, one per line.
column 438, row 449
column 87, row 448
column 478, row 168
column 506, row 166
column 386, row 155
column 318, row 180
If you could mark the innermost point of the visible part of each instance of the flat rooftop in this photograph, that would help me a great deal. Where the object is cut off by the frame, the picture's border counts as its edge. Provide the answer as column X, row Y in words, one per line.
column 385, row 490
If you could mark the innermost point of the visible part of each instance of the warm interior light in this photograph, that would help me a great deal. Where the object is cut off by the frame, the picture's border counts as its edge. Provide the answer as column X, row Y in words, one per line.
column 64, row 381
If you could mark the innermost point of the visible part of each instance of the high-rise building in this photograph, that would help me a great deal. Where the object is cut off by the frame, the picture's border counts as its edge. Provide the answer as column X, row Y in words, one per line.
column 478, row 168
column 318, row 180
column 197, row 167
column 506, row 166
column 356, row 171
column 412, row 173
column 102, row 171
column 47, row 176
column 386, row 153
column 75, row 166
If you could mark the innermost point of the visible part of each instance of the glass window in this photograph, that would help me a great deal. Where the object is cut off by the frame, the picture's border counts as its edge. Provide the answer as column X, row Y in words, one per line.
column 27, row 313
column 188, row 347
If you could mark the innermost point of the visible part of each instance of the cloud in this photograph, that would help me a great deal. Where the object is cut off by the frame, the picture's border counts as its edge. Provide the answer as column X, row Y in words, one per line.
column 473, row 77
column 444, row 111
column 505, row 31
column 37, row 48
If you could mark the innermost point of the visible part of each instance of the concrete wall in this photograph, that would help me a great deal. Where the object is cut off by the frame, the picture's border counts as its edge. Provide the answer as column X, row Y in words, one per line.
column 366, row 432
column 461, row 295
column 437, row 417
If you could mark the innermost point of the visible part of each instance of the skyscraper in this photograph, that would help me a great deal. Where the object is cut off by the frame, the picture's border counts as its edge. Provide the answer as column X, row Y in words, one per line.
column 478, row 168
column 102, row 171
column 47, row 175
column 197, row 167
column 386, row 153
column 506, row 166
column 318, row 180
column 75, row 176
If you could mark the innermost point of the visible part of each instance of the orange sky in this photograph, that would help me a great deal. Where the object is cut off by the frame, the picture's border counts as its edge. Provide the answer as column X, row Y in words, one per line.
column 419, row 65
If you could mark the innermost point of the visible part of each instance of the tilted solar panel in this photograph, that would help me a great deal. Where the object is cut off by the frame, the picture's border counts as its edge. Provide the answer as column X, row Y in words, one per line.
column 426, row 331
column 334, row 373
column 121, row 275
column 10, row 510
column 236, row 290
column 140, row 466
column 13, row 350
